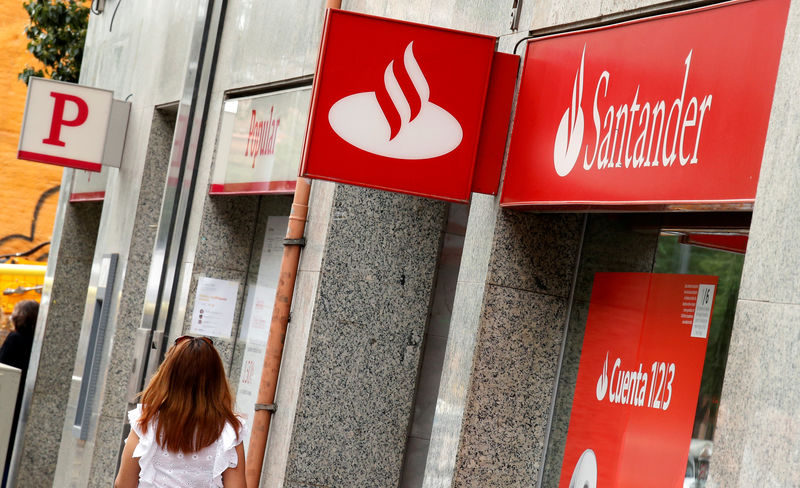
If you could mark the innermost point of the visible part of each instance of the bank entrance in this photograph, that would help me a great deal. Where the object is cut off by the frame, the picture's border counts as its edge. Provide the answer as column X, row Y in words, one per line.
column 643, row 361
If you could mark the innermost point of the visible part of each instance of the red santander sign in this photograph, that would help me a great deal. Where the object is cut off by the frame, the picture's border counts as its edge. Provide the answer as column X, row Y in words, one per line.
column 401, row 112
column 660, row 111
column 72, row 125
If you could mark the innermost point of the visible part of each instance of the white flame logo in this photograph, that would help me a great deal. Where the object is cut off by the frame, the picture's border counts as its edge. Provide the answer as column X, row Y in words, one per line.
column 585, row 473
column 570, row 130
column 602, row 382
column 397, row 121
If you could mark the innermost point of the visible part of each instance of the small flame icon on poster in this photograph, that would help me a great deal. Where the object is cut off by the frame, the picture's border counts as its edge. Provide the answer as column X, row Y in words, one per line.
column 570, row 130
column 585, row 473
column 602, row 382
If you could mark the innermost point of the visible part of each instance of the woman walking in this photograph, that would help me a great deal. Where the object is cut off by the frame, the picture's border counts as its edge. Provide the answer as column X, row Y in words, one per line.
column 184, row 433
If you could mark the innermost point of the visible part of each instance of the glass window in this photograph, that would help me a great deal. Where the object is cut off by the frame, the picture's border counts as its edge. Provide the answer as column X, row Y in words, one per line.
column 637, row 244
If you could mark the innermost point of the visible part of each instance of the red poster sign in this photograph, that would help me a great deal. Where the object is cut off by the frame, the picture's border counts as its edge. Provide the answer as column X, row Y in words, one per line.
column 638, row 380
column 400, row 112
column 665, row 110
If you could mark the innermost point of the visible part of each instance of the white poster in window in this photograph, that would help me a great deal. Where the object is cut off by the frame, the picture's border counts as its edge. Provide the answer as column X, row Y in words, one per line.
column 261, row 142
column 89, row 186
column 257, row 318
column 214, row 306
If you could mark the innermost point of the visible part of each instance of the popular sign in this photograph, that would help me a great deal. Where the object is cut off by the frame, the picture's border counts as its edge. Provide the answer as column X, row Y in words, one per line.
column 72, row 125
column 261, row 140
column 88, row 186
column 401, row 112
column 665, row 110
column 638, row 380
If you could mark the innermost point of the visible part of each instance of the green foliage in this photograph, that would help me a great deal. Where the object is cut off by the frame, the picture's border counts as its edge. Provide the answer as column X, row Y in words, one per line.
column 57, row 32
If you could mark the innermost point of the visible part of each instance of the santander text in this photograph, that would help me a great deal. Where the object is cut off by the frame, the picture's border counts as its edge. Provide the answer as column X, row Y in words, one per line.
column 661, row 137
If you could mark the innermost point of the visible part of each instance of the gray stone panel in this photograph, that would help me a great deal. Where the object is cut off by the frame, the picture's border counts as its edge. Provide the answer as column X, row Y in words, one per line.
column 131, row 301
column 79, row 233
column 757, row 441
column 435, row 345
column 535, row 252
column 45, row 421
column 500, row 365
column 350, row 428
column 772, row 253
column 359, row 378
column 226, row 234
column 515, row 367
column 290, row 484
column 40, row 451
column 108, row 436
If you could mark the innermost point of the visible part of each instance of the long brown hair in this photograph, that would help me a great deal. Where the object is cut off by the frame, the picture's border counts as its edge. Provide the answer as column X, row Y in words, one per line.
column 188, row 397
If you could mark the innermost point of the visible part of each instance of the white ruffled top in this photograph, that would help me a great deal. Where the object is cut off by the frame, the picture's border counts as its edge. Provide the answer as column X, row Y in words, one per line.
column 160, row 468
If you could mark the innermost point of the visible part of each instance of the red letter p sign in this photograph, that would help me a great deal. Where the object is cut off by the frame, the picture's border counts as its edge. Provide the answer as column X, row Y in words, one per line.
column 58, row 120
column 72, row 125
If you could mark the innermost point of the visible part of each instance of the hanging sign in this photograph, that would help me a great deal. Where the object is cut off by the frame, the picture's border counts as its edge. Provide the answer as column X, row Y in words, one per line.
column 88, row 186
column 665, row 110
column 638, row 380
column 401, row 112
column 261, row 141
column 72, row 125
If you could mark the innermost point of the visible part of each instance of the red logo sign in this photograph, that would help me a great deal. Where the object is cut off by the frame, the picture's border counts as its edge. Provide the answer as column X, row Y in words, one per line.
column 638, row 380
column 667, row 110
column 72, row 125
column 401, row 112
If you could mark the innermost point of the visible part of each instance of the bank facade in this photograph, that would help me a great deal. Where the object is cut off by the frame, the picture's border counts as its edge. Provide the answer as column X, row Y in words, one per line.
column 430, row 343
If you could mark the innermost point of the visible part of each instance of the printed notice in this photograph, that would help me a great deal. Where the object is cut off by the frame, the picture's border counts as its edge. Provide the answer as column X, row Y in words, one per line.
column 257, row 316
column 702, row 311
column 214, row 306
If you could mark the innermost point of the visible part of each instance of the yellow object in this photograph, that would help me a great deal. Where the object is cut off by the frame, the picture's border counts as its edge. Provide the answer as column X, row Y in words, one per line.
column 19, row 282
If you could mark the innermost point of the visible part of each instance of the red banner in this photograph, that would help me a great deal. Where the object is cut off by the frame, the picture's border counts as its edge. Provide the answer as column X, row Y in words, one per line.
column 400, row 112
column 664, row 110
column 638, row 380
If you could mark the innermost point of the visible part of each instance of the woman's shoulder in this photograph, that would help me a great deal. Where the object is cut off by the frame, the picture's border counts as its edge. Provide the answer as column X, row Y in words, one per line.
column 135, row 414
column 232, row 435
column 134, row 417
